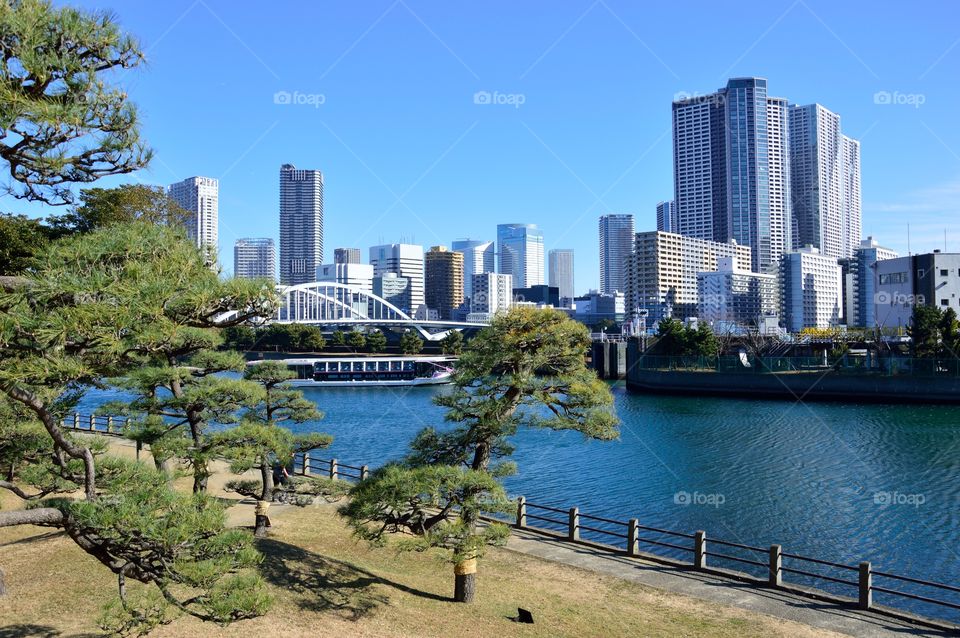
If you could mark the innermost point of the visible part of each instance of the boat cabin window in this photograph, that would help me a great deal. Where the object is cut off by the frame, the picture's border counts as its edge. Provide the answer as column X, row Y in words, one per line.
column 383, row 366
column 358, row 366
column 320, row 366
column 371, row 366
column 344, row 366
column 408, row 366
column 396, row 366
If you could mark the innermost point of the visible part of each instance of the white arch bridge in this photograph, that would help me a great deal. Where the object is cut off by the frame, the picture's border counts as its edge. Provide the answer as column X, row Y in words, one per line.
column 324, row 303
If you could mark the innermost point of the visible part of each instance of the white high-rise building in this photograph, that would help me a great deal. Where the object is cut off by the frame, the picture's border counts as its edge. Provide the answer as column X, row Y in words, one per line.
column 732, row 296
column 662, row 273
column 812, row 290
column 199, row 196
column 406, row 260
column 478, row 257
column 492, row 292
column 616, row 243
column 521, row 253
column 255, row 259
column 301, row 224
column 825, row 182
column 359, row 276
column 561, row 273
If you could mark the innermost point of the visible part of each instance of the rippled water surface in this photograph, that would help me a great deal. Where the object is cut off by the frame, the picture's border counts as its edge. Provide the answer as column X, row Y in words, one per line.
column 842, row 482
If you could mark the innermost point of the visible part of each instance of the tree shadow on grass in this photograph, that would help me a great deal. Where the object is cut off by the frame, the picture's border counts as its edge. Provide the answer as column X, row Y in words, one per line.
column 326, row 584
column 37, row 631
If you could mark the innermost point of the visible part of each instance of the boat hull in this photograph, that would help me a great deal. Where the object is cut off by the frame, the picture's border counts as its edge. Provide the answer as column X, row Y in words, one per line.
column 310, row 383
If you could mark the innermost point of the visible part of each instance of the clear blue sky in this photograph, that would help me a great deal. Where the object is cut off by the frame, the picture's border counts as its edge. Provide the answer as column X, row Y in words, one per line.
column 406, row 153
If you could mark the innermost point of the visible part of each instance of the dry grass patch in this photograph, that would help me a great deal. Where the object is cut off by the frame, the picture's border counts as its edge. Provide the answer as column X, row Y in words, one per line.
column 327, row 584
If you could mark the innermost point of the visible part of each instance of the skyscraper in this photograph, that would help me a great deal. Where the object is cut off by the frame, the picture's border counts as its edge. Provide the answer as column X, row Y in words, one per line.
column 199, row 196
column 301, row 224
column 731, row 169
column 346, row 255
column 812, row 290
column 521, row 253
column 667, row 217
column 444, row 280
column 561, row 273
column 255, row 258
column 825, row 175
column 478, row 257
column 406, row 260
column 616, row 243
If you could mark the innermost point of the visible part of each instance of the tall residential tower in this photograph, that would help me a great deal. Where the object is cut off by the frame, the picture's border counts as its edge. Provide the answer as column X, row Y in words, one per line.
column 478, row 258
column 255, row 259
column 301, row 224
column 616, row 243
column 199, row 196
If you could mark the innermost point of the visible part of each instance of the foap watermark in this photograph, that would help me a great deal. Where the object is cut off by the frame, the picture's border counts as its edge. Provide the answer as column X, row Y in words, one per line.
column 684, row 97
column 299, row 99
column 698, row 498
column 884, row 298
column 897, row 98
column 516, row 100
column 888, row 499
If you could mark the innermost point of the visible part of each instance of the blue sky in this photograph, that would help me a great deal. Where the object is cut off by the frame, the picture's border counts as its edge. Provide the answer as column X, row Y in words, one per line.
column 408, row 154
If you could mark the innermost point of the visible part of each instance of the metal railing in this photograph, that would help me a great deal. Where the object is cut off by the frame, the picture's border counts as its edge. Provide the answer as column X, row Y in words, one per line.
column 759, row 566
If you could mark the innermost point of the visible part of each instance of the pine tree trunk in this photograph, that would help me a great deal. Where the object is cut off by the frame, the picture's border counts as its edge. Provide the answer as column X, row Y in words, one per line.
column 262, row 522
column 465, row 581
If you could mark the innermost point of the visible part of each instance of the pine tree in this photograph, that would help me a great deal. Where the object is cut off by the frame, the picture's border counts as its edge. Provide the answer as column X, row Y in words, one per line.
column 526, row 369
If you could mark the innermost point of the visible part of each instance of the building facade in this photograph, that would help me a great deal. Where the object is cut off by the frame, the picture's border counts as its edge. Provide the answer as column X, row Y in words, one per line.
column 479, row 256
column 595, row 307
column 406, row 260
column 616, row 242
column 358, row 276
column 444, row 281
column 560, row 262
column 346, row 256
column 520, row 248
column 538, row 295
column 255, row 258
column 200, row 197
column 662, row 273
column 301, row 224
column 731, row 169
column 393, row 288
column 667, row 217
column 859, row 283
column 812, row 290
column 825, row 182
column 733, row 296
column 492, row 292
column 931, row 279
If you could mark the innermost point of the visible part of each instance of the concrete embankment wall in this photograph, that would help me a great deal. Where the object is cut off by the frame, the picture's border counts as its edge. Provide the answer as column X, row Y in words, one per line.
column 609, row 359
column 816, row 385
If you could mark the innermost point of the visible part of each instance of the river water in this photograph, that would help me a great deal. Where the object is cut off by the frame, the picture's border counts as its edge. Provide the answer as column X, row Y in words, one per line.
column 839, row 482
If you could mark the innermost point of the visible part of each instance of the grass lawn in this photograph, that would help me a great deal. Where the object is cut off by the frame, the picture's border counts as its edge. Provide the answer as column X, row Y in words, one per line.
column 326, row 584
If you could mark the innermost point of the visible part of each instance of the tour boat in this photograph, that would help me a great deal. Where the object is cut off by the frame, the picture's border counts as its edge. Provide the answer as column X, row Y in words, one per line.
column 370, row 371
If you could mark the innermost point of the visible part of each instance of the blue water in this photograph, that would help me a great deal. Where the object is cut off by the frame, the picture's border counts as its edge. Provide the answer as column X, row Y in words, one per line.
column 840, row 482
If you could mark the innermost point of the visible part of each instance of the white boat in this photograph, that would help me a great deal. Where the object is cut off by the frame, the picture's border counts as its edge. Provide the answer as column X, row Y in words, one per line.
column 362, row 372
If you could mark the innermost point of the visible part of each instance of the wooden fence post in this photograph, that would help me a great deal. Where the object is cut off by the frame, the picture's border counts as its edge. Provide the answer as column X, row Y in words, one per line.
column 633, row 536
column 776, row 563
column 306, row 463
column 573, row 533
column 700, row 549
column 364, row 472
column 333, row 469
column 521, row 512
column 866, row 586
